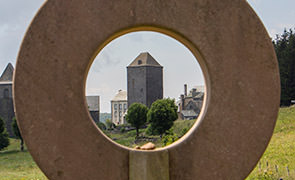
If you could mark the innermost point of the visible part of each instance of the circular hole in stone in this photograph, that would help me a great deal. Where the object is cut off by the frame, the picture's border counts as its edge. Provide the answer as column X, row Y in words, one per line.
column 145, row 87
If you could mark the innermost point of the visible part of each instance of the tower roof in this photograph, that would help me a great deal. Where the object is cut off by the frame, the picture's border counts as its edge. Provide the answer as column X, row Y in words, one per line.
column 120, row 96
column 7, row 74
column 144, row 59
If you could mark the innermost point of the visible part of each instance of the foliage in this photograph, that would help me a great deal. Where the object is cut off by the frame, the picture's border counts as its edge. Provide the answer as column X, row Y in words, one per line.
column 136, row 116
column 169, row 137
column 266, row 175
column 285, row 50
column 181, row 127
column 281, row 152
column 122, row 130
column 109, row 124
column 101, row 126
column 17, row 133
column 4, row 140
column 161, row 116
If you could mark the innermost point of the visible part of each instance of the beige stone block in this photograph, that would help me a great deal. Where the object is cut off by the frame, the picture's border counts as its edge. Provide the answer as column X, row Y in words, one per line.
column 152, row 165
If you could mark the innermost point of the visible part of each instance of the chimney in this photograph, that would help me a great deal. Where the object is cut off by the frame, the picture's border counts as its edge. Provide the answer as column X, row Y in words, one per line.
column 182, row 102
column 185, row 90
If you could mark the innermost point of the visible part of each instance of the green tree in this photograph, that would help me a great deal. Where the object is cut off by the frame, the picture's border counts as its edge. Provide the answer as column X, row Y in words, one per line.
column 136, row 116
column 109, row 124
column 17, row 133
column 4, row 140
column 285, row 49
column 161, row 116
column 169, row 137
column 101, row 126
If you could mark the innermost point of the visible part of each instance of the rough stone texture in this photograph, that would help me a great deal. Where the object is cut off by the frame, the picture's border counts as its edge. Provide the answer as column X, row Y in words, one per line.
column 234, row 51
column 144, row 80
column 7, row 74
column 149, row 165
column 6, row 100
column 148, row 146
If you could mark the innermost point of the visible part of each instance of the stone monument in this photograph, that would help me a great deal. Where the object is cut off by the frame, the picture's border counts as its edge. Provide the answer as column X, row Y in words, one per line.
column 240, row 104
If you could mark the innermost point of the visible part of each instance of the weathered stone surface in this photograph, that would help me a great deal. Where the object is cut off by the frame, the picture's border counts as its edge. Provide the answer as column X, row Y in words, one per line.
column 149, row 165
column 233, row 49
column 148, row 146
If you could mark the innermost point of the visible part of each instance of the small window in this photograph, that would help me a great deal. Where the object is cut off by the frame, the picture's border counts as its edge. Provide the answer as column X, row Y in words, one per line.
column 115, row 113
column 139, row 62
column 125, row 107
column 115, row 106
column 120, row 115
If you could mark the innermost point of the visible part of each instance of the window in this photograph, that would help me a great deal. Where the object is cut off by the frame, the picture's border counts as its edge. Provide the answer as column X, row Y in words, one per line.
column 115, row 113
column 125, row 107
column 115, row 106
column 120, row 114
column 139, row 62
column 120, row 106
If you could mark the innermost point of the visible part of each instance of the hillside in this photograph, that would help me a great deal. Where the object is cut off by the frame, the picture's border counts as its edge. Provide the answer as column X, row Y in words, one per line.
column 16, row 165
column 279, row 158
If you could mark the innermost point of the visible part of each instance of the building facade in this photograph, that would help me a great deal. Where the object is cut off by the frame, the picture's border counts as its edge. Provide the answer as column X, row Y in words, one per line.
column 93, row 107
column 6, row 99
column 144, row 80
column 189, row 105
column 119, row 107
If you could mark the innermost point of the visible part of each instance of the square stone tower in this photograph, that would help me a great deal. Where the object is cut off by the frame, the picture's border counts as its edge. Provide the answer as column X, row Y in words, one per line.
column 144, row 80
column 6, row 99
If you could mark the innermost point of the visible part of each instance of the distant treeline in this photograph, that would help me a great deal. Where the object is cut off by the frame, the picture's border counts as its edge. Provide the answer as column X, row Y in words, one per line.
column 285, row 49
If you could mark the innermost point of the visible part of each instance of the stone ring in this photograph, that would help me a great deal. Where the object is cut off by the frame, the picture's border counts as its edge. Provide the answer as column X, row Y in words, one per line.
column 235, row 54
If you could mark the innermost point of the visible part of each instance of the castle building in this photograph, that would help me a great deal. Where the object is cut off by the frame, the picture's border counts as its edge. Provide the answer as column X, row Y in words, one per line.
column 6, row 99
column 144, row 80
column 119, row 107
column 93, row 107
column 189, row 105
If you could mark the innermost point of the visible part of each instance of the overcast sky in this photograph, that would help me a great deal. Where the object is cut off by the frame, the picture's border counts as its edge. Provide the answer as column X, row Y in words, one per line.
column 108, row 73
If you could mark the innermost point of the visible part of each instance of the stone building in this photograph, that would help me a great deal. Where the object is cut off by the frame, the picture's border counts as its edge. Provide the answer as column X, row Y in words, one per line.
column 119, row 107
column 189, row 105
column 93, row 107
column 6, row 99
column 144, row 80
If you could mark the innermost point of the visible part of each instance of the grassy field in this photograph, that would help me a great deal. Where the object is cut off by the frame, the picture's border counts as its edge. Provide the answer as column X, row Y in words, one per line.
column 16, row 165
column 128, row 138
column 280, row 153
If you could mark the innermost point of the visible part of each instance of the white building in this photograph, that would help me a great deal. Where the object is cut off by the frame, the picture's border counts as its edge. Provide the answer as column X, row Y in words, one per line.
column 119, row 107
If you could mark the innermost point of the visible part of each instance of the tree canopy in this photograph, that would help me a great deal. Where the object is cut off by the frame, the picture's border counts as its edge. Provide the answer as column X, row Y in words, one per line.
column 161, row 116
column 17, row 134
column 285, row 49
column 4, row 140
column 137, row 116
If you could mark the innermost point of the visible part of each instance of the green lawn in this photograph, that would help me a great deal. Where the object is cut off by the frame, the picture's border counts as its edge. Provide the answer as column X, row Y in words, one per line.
column 280, row 151
column 16, row 165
